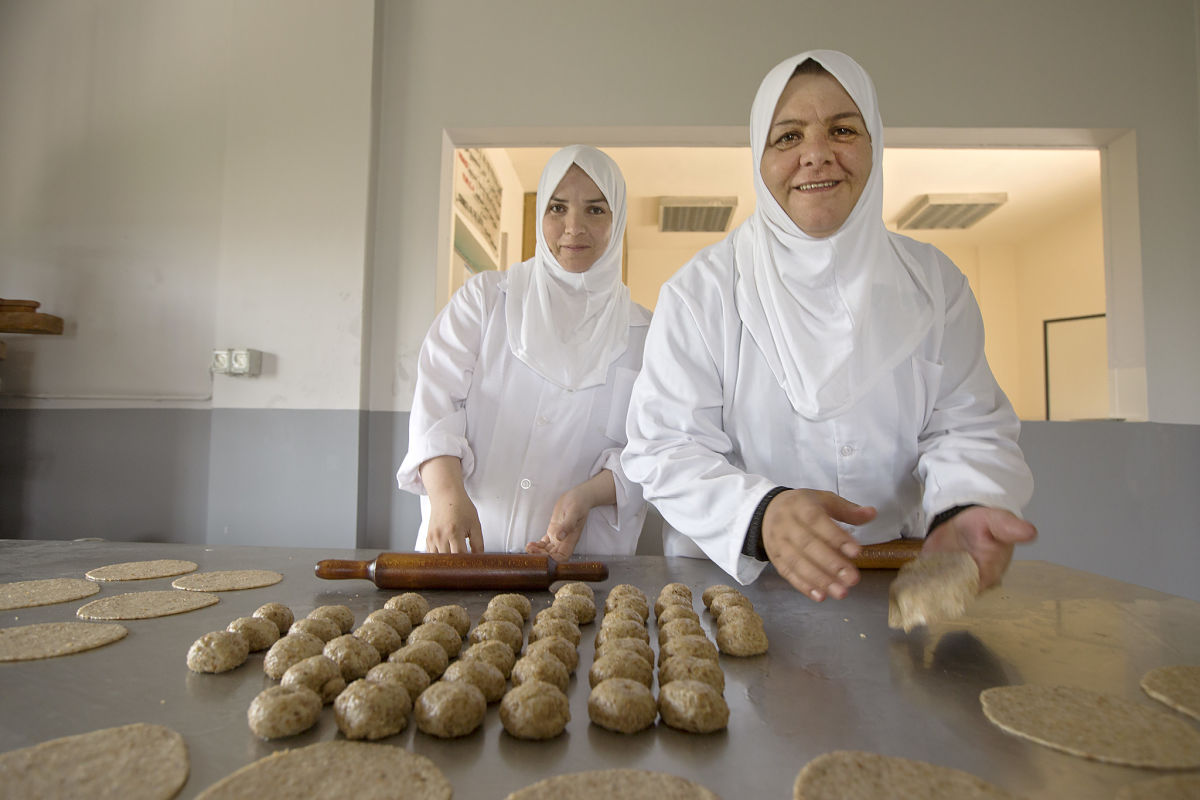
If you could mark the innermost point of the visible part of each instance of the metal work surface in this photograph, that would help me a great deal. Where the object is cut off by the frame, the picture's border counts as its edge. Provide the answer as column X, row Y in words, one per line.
column 835, row 678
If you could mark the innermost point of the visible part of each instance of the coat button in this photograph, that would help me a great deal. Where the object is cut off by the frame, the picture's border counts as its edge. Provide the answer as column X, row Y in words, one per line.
column 847, row 450
column 526, row 483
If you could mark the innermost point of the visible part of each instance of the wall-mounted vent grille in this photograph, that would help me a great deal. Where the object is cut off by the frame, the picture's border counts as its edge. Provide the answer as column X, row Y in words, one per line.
column 948, row 211
column 695, row 214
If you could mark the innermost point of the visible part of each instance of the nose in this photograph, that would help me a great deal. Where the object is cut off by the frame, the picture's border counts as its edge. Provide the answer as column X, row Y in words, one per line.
column 573, row 221
column 816, row 150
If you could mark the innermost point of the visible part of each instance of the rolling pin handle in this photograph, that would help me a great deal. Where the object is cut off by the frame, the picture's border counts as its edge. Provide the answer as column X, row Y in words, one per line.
column 579, row 571
column 339, row 569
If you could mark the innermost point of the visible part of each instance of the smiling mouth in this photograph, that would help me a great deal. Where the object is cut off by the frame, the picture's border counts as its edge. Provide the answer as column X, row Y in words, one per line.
column 816, row 186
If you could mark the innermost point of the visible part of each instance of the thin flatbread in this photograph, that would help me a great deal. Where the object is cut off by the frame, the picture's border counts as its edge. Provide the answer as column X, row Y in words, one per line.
column 228, row 580
column 44, row 592
column 335, row 769
column 132, row 762
column 1097, row 726
column 146, row 605
column 1170, row 787
column 606, row 784
column 52, row 639
column 141, row 570
column 857, row 775
column 1177, row 686
column 932, row 588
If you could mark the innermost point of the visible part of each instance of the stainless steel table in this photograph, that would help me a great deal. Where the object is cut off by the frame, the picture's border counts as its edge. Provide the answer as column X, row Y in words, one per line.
column 835, row 677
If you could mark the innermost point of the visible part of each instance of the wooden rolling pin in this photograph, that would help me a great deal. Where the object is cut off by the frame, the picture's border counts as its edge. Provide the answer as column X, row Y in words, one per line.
column 509, row 571
column 888, row 555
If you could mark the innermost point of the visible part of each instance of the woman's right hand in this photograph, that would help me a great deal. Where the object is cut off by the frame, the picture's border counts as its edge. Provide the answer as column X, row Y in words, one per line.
column 807, row 545
column 453, row 519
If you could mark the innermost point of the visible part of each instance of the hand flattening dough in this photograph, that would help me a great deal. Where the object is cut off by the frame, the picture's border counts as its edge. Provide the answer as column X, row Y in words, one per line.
column 932, row 588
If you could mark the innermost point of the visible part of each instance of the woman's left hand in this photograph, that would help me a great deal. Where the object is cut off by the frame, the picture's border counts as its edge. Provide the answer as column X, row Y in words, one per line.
column 570, row 515
column 987, row 534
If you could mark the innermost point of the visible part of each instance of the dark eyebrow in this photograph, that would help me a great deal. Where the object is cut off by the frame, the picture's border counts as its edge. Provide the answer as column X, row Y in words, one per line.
column 554, row 199
column 834, row 118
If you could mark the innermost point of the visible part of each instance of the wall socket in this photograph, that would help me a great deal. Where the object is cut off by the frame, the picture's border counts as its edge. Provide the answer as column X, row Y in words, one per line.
column 236, row 361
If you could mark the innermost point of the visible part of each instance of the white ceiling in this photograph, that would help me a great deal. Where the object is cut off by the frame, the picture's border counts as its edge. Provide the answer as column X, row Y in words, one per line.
column 1043, row 185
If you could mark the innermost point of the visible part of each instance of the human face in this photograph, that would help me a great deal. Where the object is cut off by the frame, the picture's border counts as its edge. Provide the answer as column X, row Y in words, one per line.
column 818, row 154
column 577, row 221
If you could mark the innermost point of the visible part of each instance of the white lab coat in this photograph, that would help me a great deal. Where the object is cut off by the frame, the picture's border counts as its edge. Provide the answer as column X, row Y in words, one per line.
column 711, row 431
column 523, row 440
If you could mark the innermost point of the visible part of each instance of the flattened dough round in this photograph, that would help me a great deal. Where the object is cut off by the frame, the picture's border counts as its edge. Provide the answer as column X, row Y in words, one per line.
column 146, row 605
column 132, row 762
column 45, row 592
column 1177, row 686
column 141, row 570
column 1093, row 725
column 605, row 784
column 336, row 769
column 228, row 580
column 855, row 775
column 51, row 639
column 1171, row 787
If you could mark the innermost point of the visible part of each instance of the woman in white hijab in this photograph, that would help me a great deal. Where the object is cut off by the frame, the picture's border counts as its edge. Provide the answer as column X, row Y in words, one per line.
column 812, row 361
column 523, row 386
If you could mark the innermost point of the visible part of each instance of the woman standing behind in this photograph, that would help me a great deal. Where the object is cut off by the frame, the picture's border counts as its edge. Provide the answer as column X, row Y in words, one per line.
column 523, row 386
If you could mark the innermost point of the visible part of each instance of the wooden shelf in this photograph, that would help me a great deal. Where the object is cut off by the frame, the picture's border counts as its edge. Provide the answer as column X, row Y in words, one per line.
column 22, row 316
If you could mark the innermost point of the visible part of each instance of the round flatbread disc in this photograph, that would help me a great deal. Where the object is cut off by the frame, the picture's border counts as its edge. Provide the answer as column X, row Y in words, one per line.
column 855, row 775
column 141, row 570
column 1093, row 725
column 145, row 605
column 336, row 769
column 1178, row 687
column 51, row 639
column 132, row 762
column 1171, row 787
column 605, row 784
column 45, row 592
column 227, row 580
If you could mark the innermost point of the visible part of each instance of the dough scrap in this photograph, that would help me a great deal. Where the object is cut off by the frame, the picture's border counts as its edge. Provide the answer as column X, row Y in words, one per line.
column 605, row 784
column 1096, row 726
column 52, row 639
column 146, row 605
column 932, row 588
column 141, row 570
column 228, row 580
column 336, row 769
column 856, row 775
column 131, row 762
column 45, row 592
column 1177, row 686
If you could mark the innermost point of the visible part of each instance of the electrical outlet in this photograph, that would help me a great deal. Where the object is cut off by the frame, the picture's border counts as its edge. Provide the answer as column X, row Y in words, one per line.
column 220, row 362
column 245, row 362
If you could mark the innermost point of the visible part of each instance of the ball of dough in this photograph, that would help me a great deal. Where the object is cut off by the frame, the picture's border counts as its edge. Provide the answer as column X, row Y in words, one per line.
column 368, row 710
column 449, row 709
column 414, row 606
column 381, row 636
column 390, row 616
column 518, row 601
column 558, row 647
column 494, row 652
column 642, row 648
column 342, row 616
column 583, row 609
column 506, row 632
column 677, row 588
column 627, row 590
column 728, row 600
column 219, row 651
column 669, row 599
column 555, row 612
column 484, row 676
column 409, row 675
column 535, row 710
column 621, row 664
column 321, row 674
column 633, row 603
column 259, row 633
column 542, row 666
column 692, row 706
column 278, row 613
column 692, row 669
column 556, row 627
column 741, row 638
column 672, row 613
column 576, row 587
column 742, row 614
column 283, row 711
column 679, row 627
column 698, row 646
column 622, row 705
column 429, row 656
column 622, row 629
column 289, row 650
column 324, row 629
column 504, row 614
column 712, row 591
column 453, row 615
column 438, row 632
column 353, row 656
column 615, row 614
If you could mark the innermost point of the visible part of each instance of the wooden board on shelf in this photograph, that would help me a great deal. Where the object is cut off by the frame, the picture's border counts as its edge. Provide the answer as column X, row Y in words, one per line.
column 22, row 316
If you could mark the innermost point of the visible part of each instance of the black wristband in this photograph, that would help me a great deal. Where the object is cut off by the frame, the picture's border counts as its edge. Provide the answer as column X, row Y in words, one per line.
column 753, row 544
column 948, row 514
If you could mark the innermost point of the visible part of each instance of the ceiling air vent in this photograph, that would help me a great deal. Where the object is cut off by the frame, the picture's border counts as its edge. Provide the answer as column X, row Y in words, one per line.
column 953, row 211
column 695, row 214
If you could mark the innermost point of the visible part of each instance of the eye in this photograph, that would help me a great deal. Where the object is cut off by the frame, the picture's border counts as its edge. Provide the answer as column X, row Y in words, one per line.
column 844, row 132
column 787, row 139
column 556, row 208
column 597, row 210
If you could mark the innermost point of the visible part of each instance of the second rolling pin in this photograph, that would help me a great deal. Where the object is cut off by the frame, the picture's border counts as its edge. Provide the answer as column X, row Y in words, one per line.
column 888, row 555
column 508, row 571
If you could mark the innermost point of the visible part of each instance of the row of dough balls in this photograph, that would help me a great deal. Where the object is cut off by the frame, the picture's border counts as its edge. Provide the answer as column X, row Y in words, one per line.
column 740, row 629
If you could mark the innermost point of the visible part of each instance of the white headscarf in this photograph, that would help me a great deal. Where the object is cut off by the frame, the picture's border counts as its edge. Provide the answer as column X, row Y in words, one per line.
column 569, row 327
column 834, row 315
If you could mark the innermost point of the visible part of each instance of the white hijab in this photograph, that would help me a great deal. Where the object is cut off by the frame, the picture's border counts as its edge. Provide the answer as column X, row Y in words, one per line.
column 569, row 327
column 834, row 315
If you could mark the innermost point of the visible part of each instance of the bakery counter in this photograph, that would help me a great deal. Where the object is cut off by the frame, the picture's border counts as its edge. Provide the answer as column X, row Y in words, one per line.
column 835, row 678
